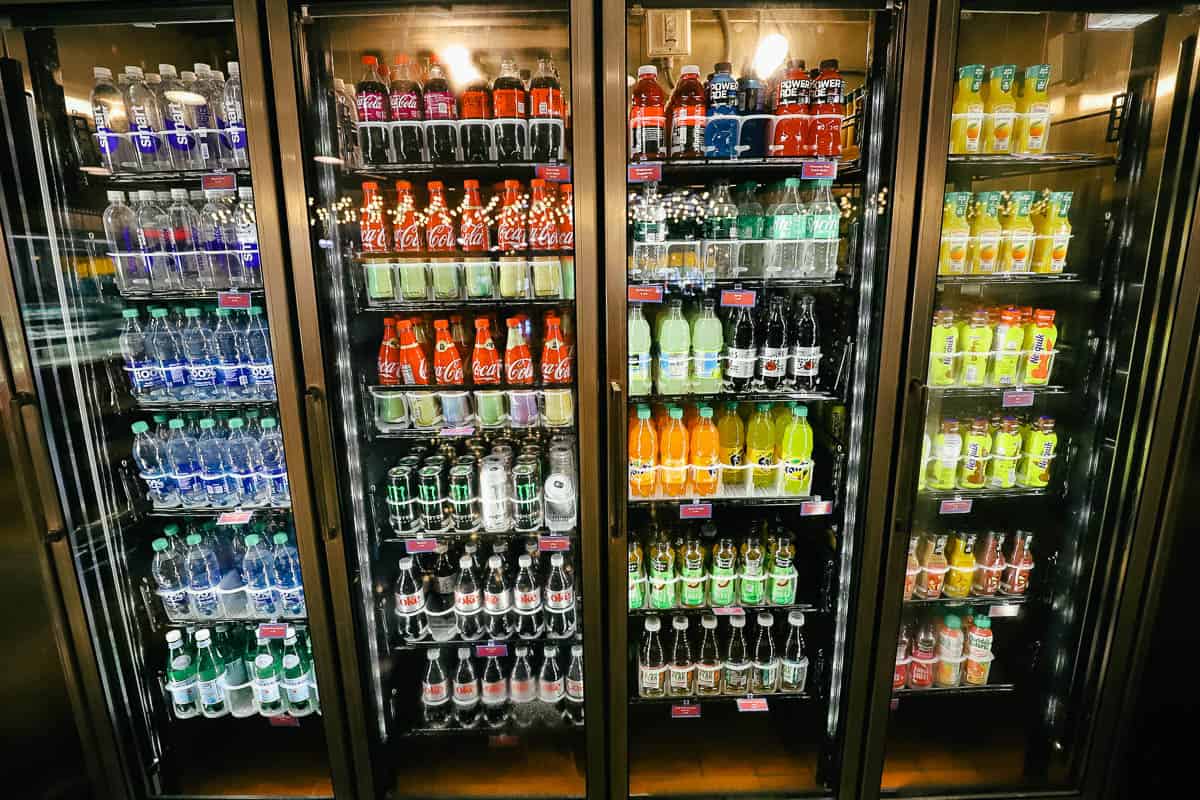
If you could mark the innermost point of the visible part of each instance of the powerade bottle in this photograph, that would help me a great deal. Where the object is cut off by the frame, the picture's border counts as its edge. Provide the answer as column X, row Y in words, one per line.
column 751, row 105
column 721, row 130
column 686, row 112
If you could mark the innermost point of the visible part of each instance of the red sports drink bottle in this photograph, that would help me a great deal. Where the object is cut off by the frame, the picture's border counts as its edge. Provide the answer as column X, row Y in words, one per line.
column 827, row 110
column 793, row 96
column 687, row 114
column 647, row 118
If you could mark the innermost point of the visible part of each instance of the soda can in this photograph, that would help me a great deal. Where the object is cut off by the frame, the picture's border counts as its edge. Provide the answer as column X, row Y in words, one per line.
column 523, row 408
column 401, row 500
column 534, row 460
column 468, row 459
column 504, row 450
column 438, row 460
column 559, row 407
column 526, row 497
column 456, row 408
column 494, row 494
column 489, row 405
column 431, row 493
column 464, row 502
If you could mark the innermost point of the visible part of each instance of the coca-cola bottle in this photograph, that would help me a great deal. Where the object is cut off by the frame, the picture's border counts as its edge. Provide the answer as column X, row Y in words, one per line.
column 518, row 361
column 414, row 365
column 523, row 689
column 475, row 113
column 573, row 707
column 566, row 218
column 389, row 355
column 441, row 133
column 556, row 360
column 806, row 349
column 468, row 601
column 547, row 112
column 371, row 98
column 435, row 692
column 742, row 351
column 406, row 227
column 347, row 117
column 439, row 226
column 510, row 224
column 472, row 227
column 405, row 104
column 466, row 691
column 776, row 347
column 485, row 361
column 495, row 694
column 447, row 363
column 411, row 622
column 372, row 222
column 527, row 600
column 560, row 600
column 551, row 691
column 497, row 600
column 509, row 107
column 543, row 217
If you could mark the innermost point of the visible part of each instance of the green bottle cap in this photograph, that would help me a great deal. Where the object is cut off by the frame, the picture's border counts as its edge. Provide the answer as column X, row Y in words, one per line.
column 643, row 412
column 764, row 406
column 800, row 411
column 222, row 312
column 139, row 427
column 191, row 312
column 175, row 424
column 676, row 412
column 731, row 405
column 193, row 538
column 792, row 183
column 206, row 423
column 159, row 545
column 130, row 313
column 235, row 423
column 252, row 540
column 160, row 418
column 158, row 313
column 268, row 423
column 254, row 311
column 705, row 412
column 983, row 622
column 171, row 530
column 279, row 538
column 952, row 622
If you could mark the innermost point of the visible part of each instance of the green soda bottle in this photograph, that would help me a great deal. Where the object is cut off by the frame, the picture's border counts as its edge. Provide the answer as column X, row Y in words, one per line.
column 295, row 677
column 783, row 573
column 181, row 677
column 637, row 577
column 267, row 695
column 210, row 676
column 662, row 574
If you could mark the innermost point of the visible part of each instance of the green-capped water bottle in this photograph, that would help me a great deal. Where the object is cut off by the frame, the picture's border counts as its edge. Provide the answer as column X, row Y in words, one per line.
column 181, row 677
column 210, row 676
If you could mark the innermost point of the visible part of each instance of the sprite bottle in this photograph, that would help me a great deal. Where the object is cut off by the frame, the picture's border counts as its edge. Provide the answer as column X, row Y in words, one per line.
column 267, row 695
column 210, row 676
column 181, row 677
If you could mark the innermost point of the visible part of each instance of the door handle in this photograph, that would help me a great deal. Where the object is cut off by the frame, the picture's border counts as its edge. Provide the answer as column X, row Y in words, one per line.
column 617, row 477
column 318, row 433
column 27, row 424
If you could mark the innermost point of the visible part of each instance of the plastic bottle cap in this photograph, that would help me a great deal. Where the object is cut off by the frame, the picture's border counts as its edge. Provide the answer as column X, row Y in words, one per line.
column 235, row 69
column 193, row 538
column 556, row 560
column 576, row 649
column 205, row 424
column 705, row 412
column 652, row 624
column 158, row 545
column 279, row 538
column 174, row 637
column 676, row 412
column 254, row 311
column 267, row 423
column 795, row 617
column 493, row 562
column 175, row 424
column 738, row 620
column 521, row 651
column 645, row 69
column 464, row 562
column 203, row 635
column 723, row 66
column 139, row 427
column 709, row 622
column 799, row 411
column 158, row 313
column 983, row 622
column 792, row 183
column 679, row 623
column 406, row 563
column 235, row 423
column 291, row 637
column 952, row 622
column 763, row 406
column 252, row 540
column 433, row 654
column 690, row 69
column 550, row 650
column 171, row 530
column 643, row 412
column 524, row 560
column 766, row 618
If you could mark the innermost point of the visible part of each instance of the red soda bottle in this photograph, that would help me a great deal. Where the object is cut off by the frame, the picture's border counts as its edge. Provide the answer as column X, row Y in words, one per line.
column 485, row 361
column 404, row 100
column 566, row 218
column 389, row 355
column 546, row 103
column 793, row 94
column 447, row 363
column 406, row 231
column 543, row 227
column 510, row 226
column 474, row 110
column 372, row 223
column 509, row 105
column 472, row 227
column 518, row 361
column 414, row 367
column 556, row 360
column 647, row 118
column 827, row 110
column 687, row 114
column 441, row 132
column 371, row 98
column 439, row 227
column 924, row 659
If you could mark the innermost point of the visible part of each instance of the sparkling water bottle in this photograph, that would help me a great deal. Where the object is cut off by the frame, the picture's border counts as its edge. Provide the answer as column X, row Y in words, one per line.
column 191, row 266
column 258, row 569
column 185, row 464
column 179, row 120
column 232, row 370
column 233, row 124
column 145, row 121
column 153, row 229
column 201, row 356
column 274, row 467
column 203, row 578
column 121, row 231
column 145, row 380
column 823, row 231
column 112, row 123
column 218, row 238
column 214, row 466
column 166, row 348
column 288, row 583
column 247, row 238
column 244, row 465
column 258, row 350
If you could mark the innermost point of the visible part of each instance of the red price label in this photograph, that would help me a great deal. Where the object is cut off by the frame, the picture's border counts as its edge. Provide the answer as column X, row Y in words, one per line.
column 233, row 300
column 461, row 430
column 729, row 611
column 645, row 293
column 235, row 517
column 504, row 740
column 742, row 298
column 955, row 507
column 554, row 544
column 284, row 721
column 640, row 173
column 420, row 545
column 695, row 511
column 272, row 630
column 1017, row 399
column 489, row 650
column 219, row 181
column 685, row 711
column 555, row 173
column 816, row 170
column 816, row 508
column 894, row 704
column 1004, row 611
column 752, row 704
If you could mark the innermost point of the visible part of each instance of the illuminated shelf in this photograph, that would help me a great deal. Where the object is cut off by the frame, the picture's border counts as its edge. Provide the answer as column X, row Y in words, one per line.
column 1000, row 166
column 993, row 600
column 723, row 699
column 1011, row 279
column 748, row 396
column 1016, row 493
column 489, row 169
column 210, row 512
column 807, row 608
column 994, row 391
column 990, row 688
column 163, row 176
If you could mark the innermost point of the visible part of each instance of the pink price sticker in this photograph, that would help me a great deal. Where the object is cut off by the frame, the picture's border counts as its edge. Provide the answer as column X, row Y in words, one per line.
column 504, row 740
column 272, row 630
column 685, row 711
column 555, row 173
column 816, row 508
column 695, row 511
column 461, row 430
column 242, row 517
column 752, row 704
column 738, row 298
column 284, row 721
column 894, row 703
column 554, row 544
column 728, row 611
column 490, row 650
column 1016, row 399
column 219, row 181
column 640, row 173
column 420, row 545
column 816, row 170
column 233, row 300
column 645, row 293
column 955, row 507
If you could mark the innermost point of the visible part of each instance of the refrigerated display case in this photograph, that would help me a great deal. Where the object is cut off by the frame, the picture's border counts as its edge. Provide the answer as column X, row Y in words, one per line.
column 156, row 405
column 750, row 241
column 438, row 160
column 1059, row 162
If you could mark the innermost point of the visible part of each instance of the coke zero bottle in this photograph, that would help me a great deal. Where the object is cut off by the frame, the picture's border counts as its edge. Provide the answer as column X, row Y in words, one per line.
column 441, row 134
column 776, row 347
column 546, row 112
column 371, row 98
column 404, row 100
column 742, row 350
column 509, row 106
column 806, row 350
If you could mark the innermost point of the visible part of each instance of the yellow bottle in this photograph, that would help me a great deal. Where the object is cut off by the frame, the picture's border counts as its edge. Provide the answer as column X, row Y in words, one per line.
column 1053, row 229
column 983, row 253
column 956, row 232
column 966, row 120
column 1033, row 111
column 1016, row 241
column 999, row 109
column 975, row 343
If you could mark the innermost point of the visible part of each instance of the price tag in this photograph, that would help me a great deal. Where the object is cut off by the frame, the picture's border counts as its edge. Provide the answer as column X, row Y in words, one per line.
column 504, row 740
column 752, row 704
column 894, row 704
column 233, row 300
column 461, row 430
column 695, row 511
column 554, row 544
column 555, row 173
column 241, row 517
column 640, row 173
column 729, row 611
column 272, row 630
column 645, row 293
column 816, row 508
column 955, row 507
column 1017, row 399
column 284, row 721
column 816, row 170
column 685, row 711
column 219, row 181
column 489, row 650
column 420, row 545
column 1004, row 611
column 739, row 298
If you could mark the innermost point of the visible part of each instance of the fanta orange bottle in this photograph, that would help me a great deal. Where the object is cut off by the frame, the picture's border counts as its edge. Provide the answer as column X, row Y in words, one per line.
column 706, row 456
column 643, row 455
column 673, row 454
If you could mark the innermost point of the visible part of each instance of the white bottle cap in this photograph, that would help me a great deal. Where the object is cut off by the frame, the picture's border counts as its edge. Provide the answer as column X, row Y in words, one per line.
column 709, row 622
column 102, row 72
column 201, row 69
column 116, row 197
column 179, row 194
column 556, row 560
column 234, row 69
column 795, row 617
column 245, row 192
column 187, row 76
column 679, row 623
column 135, row 71
column 406, row 563
column 433, row 654
column 521, row 651
column 524, row 560
column 153, row 77
column 173, row 637
column 218, row 75
column 550, row 650
column 166, row 70
column 212, row 194
column 146, row 195
column 690, row 69
column 339, row 84
column 738, row 620
column 766, row 619
column 576, row 649
column 161, row 196
column 195, row 194
column 464, row 562
column 464, row 652
column 202, row 635
column 648, row 69
column 652, row 624
column 494, row 562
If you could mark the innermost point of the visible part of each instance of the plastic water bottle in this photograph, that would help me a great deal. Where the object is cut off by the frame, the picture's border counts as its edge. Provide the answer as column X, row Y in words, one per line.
column 179, row 120
column 145, row 121
column 156, row 241
column 233, row 125
column 218, row 237
column 824, row 222
column 258, row 344
column 112, row 123
column 274, row 467
column 154, row 468
column 208, row 114
column 214, row 466
column 247, row 238
column 191, row 266
column 120, row 229
column 145, row 381
column 203, row 578
column 258, row 569
column 288, row 583
column 201, row 358
column 232, row 370
column 167, row 569
column 244, row 464
column 785, row 225
column 185, row 463
column 165, row 346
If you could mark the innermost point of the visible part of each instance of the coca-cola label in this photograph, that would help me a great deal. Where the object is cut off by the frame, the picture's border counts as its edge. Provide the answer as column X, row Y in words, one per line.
column 389, row 368
column 467, row 602
column 574, row 689
column 474, row 105
column 405, row 105
column 433, row 694
column 472, row 233
column 486, row 369
column 497, row 602
column 508, row 103
column 495, row 691
column 370, row 106
column 407, row 235
column 447, row 368
column 520, row 369
column 550, row 691
column 556, row 367
column 410, row 603
column 543, row 233
column 566, row 236
column 522, row 691
column 466, row 693
column 510, row 232
column 439, row 106
column 439, row 235
column 374, row 234
column 530, row 600
column 560, row 599
column 546, row 103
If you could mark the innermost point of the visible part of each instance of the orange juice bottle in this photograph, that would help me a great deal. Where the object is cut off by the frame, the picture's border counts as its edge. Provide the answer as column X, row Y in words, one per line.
column 1033, row 111
column 999, row 109
column 673, row 454
column 956, row 233
column 1051, row 220
column 1016, row 242
column 643, row 455
column 691, row 413
column 966, row 116
column 983, row 253
column 705, row 453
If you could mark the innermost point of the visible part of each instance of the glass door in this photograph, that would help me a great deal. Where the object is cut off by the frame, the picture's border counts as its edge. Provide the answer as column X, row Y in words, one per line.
column 1038, row 293
column 452, row 320
column 754, row 149
column 158, row 398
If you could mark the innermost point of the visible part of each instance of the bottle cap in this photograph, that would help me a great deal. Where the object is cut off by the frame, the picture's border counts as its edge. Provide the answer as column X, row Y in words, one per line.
column 130, row 313
column 268, row 423
column 370, row 60
column 556, row 560
column 406, row 563
column 766, row 619
column 203, row 635
column 171, row 530
column 738, row 620
column 493, row 562
column 576, row 650
column 464, row 653
column 166, row 70
column 206, row 424
column 652, row 624
column 253, row 539
column 676, row 412
column 679, row 623
column 102, row 72
column 952, row 622
column 645, row 69
column 174, row 636
column 134, row 71
column 223, row 312
column 291, row 636
column 795, row 617
column 158, row 545
column 521, row 651
column 723, row 66
column 158, row 313
column 254, row 311
column 643, row 412
column 464, row 562
column 235, row 69
column 708, row 622
column 983, row 622
column 690, row 69
column 201, row 69
column 235, row 423
column 175, row 424
column 800, row 411
column 191, row 312
column 193, row 538
column 706, row 412
column 829, row 63
column 792, row 183
column 524, row 560
column 763, row 406
column 245, row 192
column 139, row 427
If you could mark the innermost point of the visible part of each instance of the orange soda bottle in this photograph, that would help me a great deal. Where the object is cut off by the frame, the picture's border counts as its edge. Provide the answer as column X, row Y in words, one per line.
column 705, row 452
column 673, row 454
column 643, row 454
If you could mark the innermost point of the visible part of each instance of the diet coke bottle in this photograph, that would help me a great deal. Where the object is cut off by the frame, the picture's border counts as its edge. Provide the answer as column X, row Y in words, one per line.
column 495, row 694
column 497, row 600
column 371, row 97
column 411, row 622
column 468, row 601
column 560, row 600
column 527, row 600
column 466, row 691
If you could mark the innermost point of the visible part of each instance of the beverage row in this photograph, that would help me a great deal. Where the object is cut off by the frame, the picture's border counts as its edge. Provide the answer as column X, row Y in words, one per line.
column 965, row 570
column 777, row 661
column 215, row 356
column 542, row 219
column 798, row 113
column 687, row 233
column 497, row 489
column 543, row 277
column 770, row 455
column 405, row 351
column 169, row 120
column 217, row 469
column 692, row 573
column 214, row 574
column 405, row 117
column 484, row 603
column 997, row 120
column 496, row 693
column 992, row 233
column 1001, row 453
column 512, row 409
column 240, row 671
column 998, row 346
column 945, row 651
column 161, row 241
column 770, row 346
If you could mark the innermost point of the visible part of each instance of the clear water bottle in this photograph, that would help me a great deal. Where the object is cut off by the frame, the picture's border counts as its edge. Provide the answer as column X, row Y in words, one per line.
column 435, row 692
column 560, row 600
column 167, row 569
column 824, row 227
column 185, row 463
column 786, row 228
column 245, row 465
column 218, row 238
column 200, row 352
column 274, row 467
column 193, row 270
column 153, row 231
column 141, row 370
column 233, row 125
column 203, row 578
column 112, row 123
column 145, row 121
column 288, row 584
column 214, row 466
column 247, row 238
column 121, row 231
column 229, row 341
column 179, row 120
column 165, row 346
column 208, row 114
column 258, row 350
column 258, row 570
column 154, row 468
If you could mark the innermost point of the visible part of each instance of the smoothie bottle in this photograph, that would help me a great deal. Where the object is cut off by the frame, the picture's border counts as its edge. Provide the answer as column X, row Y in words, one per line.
column 962, row 565
column 932, row 577
column 1016, row 243
column 1006, row 348
column 983, row 251
column 956, row 232
column 947, row 447
column 999, row 109
column 1041, row 336
column 1037, row 454
column 975, row 343
column 912, row 568
column 977, row 445
column 1053, row 233
column 673, row 454
column 943, row 349
column 705, row 454
column 966, row 120
column 1006, row 450
column 1033, row 111
column 979, row 652
column 949, row 652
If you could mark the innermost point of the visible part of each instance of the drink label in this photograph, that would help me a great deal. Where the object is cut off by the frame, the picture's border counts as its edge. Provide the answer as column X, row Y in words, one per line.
column 824, row 226
column 737, row 677
column 522, row 691
column 176, row 602
column 174, row 373
column 560, row 599
column 266, row 691
column 766, row 676
column 680, row 678
column 647, row 130
column 789, row 226
column 439, row 106
column 215, row 486
column 466, row 693
column 371, row 106
column 685, row 711
column 738, row 298
column 530, row 600
column 805, row 361
column 752, row 704
column 546, row 103
column 1019, row 249
column 107, row 140
column 495, row 691
column 774, row 363
column 143, row 134
column 708, row 676
column 231, row 375
column 508, row 103
column 183, row 694
column 433, row 694
column 692, row 593
column 409, row 603
column 467, row 602
column 144, row 375
column 211, row 693
column 741, row 362
column 783, row 588
column 574, row 689
column 793, row 675
column 404, row 105
column 551, row 691
column 297, row 689
column 653, row 679
column 201, row 376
